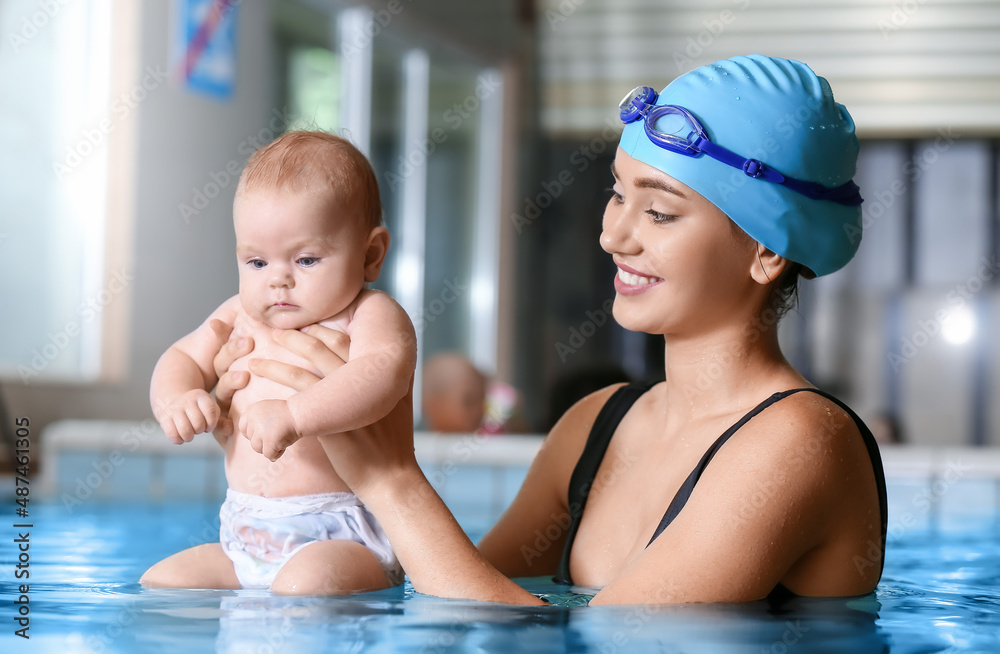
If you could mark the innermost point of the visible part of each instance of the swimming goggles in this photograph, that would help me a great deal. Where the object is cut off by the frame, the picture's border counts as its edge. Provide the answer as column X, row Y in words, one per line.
column 676, row 129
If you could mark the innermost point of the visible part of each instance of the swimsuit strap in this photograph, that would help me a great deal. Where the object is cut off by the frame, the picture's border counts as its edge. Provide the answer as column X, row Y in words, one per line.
column 681, row 498
column 593, row 453
column 612, row 414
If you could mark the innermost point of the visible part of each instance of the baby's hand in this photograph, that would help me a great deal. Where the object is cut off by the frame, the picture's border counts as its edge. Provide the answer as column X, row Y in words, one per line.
column 269, row 427
column 194, row 412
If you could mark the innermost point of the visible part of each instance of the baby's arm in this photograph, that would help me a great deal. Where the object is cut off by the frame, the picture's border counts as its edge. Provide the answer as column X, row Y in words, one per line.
column 377, row 375
column 183, row 376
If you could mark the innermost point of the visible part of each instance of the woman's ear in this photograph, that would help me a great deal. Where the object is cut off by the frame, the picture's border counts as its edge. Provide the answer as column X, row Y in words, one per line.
column 768, row 266
column 375, row 250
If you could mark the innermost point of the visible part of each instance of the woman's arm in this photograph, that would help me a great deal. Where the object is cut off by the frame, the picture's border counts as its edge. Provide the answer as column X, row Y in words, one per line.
column 529, row 538
column 378, row 463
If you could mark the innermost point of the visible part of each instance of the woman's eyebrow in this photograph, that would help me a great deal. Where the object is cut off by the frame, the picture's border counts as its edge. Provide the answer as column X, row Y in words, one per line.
column 649, row 182
column 658, row 184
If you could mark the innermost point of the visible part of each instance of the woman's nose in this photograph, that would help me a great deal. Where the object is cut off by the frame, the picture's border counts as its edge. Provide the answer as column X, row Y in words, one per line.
column 618, row 235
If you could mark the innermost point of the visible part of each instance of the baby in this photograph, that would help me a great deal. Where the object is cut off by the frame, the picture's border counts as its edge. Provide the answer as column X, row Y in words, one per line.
column 454, row 394
column 308, row 219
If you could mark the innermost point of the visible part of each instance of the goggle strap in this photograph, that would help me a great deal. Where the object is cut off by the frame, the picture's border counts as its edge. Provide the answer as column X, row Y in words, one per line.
column 750, row 167
column 847, row 194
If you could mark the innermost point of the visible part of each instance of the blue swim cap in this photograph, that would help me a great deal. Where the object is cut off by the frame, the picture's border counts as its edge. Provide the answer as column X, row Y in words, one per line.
column 779, row 112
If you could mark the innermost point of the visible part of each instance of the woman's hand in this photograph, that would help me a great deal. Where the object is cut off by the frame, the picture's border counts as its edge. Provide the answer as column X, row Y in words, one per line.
column 360, row 454
column 229, row 381
column 325, row 348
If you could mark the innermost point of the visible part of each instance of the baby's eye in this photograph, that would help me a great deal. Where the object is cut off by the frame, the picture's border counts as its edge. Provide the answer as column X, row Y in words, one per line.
column 257, row 264
column 305, row 262
column 615, row 196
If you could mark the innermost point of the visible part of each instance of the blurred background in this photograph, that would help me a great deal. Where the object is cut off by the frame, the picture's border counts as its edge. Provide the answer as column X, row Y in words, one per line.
column 124, row 126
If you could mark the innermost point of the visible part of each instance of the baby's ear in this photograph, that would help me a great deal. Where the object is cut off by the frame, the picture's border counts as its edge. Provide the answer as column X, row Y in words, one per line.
column 375, row 250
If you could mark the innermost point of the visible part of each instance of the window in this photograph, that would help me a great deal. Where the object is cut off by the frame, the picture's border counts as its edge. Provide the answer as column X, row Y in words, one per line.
column 64, row 231
column 430, row 123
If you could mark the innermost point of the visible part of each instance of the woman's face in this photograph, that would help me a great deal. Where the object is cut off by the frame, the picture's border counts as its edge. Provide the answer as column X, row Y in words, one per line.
column 682, row 268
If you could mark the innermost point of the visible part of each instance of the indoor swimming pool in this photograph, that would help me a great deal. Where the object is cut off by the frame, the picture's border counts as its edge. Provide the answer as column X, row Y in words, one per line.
column 115, row 497
column 939, row 593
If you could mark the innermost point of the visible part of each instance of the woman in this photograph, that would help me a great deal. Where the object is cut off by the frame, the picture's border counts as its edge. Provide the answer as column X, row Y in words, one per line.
column 708, row 243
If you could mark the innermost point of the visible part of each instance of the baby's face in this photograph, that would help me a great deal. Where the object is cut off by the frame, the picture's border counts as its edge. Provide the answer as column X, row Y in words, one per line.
column 301, row 257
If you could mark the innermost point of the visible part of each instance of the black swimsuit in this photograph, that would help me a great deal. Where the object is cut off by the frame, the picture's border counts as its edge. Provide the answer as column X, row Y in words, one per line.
column 604, row 428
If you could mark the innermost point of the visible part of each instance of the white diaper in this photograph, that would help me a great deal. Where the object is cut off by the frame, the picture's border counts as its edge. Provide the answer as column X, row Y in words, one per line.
column 260, row 534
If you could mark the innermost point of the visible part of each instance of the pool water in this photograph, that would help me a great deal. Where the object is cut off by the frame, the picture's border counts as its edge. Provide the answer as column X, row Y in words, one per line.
column 939, row 593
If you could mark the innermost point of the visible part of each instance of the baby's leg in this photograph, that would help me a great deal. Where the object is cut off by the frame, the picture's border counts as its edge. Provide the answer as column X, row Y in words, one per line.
column 202, row 566
column 330, row 567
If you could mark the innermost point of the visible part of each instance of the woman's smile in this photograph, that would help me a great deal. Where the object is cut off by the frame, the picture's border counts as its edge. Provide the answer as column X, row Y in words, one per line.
column 630, row 281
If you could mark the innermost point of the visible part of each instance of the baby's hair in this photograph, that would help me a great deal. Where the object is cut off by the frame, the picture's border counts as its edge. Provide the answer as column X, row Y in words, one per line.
column 318, row 162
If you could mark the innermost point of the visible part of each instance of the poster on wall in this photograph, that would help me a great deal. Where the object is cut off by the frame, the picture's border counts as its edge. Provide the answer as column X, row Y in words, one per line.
column 203, row 46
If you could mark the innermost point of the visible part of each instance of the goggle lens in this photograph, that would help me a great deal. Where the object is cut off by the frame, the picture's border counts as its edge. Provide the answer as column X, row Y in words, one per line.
column 636, row 102
column 673, row 126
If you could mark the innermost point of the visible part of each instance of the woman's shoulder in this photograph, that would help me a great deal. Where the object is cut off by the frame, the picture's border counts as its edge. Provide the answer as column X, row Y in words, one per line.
column 585, row 410
column 569, row 435
column 803, row 427
column 810, row 415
